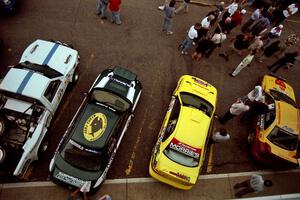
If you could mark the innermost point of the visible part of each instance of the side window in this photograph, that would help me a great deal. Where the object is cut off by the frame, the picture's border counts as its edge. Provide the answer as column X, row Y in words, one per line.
column 51, row 90
column 172, row 120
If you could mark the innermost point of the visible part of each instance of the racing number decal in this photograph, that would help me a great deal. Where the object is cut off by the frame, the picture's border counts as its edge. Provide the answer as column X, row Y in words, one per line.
column 281, row 84
column 94, row 127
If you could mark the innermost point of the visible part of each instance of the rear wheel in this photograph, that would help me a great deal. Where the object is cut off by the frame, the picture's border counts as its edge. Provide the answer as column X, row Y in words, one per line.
column 2, row 154
column 44, row 146
column 3, row 125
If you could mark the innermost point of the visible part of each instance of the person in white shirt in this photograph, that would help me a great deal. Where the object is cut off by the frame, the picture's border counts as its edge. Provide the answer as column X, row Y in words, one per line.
column 220, row 136
column 188, row 41
column 245, row 62
column 256, row 183
column 274, row 33
column 290, row 10
column 205, row 26
column 255, row 95
column 254, row 17
column 230, row 10
column 236, row 109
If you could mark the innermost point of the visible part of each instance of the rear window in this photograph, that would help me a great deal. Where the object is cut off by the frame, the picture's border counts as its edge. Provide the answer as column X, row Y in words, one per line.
column 82, row 158
column 199, row 103
column 279, row 96
column 183, row 154
column 283, row 139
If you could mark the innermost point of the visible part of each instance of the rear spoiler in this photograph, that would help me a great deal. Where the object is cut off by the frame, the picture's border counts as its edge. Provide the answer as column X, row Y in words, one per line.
column 277, row 76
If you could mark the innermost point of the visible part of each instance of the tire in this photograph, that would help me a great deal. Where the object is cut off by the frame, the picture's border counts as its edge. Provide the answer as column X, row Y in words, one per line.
column 75, row 77
column 3, row 126
column 43, row 146
column 2, row 155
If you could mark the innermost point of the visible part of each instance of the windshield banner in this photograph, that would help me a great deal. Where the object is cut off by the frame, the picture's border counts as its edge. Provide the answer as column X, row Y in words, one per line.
column 185, row 149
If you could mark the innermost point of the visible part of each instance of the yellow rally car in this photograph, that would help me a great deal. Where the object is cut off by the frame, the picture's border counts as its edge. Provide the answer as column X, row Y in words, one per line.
column 178, row 154
column 275, row 141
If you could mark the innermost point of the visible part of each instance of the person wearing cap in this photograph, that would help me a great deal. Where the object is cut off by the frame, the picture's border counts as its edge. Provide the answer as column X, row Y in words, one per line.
column 237, row 18
column 188, row 41
column 274, row 33
column 256, row 183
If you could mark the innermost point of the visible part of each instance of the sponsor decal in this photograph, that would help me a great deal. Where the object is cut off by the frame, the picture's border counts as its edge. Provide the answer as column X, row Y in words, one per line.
column 83, row 148
column 185, row 149
column 281, row 84
column 182, row 176
column 200, row 82
column 121, row 82
column 94, row 127
column 69, row 179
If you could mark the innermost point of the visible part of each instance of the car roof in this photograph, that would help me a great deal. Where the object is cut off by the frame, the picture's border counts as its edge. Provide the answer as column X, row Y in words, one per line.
column 192, row 127
column 25, row 82
column 82, row 126
column 288, row 117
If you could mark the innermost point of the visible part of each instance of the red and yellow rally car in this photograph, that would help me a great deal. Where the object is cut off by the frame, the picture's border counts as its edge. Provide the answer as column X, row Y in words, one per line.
column 178, row 154
column 276, row 139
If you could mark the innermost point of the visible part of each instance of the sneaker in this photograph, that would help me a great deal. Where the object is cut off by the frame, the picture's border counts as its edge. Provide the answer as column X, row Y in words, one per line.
column 169, row 33
column 184, row 53
column 161, row 7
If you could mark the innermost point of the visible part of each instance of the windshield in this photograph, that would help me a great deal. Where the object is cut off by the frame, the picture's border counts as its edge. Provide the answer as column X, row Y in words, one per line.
column 43, row 69
column 283, row 139
column 194, row 101
column 283, row 97
column 110, row 99
column 81, row 157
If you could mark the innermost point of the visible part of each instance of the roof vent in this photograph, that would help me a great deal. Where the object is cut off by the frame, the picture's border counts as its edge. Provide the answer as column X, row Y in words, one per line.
column 68, row 59
column 34, row 48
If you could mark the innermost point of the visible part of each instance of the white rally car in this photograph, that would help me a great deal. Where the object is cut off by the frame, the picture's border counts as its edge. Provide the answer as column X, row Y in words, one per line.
column 29, row 96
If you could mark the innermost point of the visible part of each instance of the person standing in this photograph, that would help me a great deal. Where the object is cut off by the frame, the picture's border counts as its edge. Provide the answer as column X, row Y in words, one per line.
column 217, row 40
column 188, row 41
column 256, row 44
column 183, row 7
column 255, row 95
column 220, row 136
column 205, row 26
column 162, row 7
column 287, row 60
column 168, row 19
column 254, row 17
column 101, row 8
column 202, row 48
column 114, row 7
column 290, row 10
column 237, row 18
column 230, row 10
column 245, row 62
column 274, row 33
column 236, row 109
column 261, row 26
column 241, row 42
column 291, row 40
column 223, row 26
column 269, row 51
column 256, row 183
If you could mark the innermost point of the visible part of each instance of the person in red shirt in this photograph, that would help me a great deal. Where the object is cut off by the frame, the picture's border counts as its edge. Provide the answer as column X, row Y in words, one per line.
column 237, row 18
column 114, row 7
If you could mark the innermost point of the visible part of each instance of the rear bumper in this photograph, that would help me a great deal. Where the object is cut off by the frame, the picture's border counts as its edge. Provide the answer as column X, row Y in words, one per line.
column 167, row 181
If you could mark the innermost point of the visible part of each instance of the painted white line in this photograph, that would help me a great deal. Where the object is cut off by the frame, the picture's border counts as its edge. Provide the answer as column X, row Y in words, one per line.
column 149, row 180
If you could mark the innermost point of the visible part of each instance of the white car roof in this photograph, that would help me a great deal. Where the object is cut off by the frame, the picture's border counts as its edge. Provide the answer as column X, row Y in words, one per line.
column 52, row 54
column 25, row 82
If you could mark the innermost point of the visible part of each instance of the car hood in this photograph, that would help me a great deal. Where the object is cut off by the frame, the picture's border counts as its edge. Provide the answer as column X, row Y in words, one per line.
column 25, row 82
column 56, row 56
column 94, row 126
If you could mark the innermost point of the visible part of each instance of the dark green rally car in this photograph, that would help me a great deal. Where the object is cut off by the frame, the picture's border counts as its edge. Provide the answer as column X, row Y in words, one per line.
column 90, row 143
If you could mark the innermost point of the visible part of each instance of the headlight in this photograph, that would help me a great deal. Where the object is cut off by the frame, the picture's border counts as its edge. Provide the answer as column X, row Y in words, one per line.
column 6, row 2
